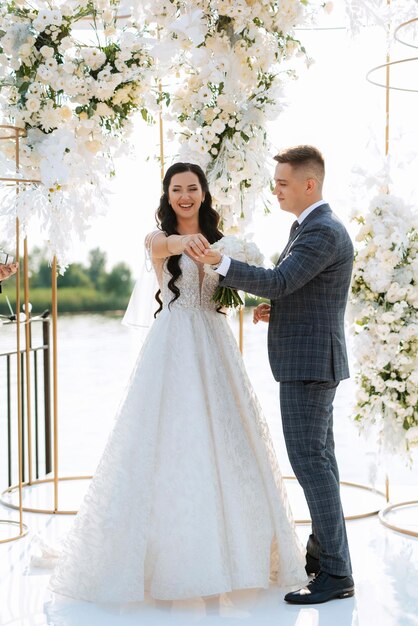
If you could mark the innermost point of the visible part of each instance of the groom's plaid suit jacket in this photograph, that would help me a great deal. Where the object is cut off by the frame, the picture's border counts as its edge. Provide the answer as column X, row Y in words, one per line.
column 308, row 290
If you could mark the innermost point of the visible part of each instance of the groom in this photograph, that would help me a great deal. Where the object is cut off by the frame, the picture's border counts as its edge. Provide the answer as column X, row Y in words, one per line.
column 308, row 291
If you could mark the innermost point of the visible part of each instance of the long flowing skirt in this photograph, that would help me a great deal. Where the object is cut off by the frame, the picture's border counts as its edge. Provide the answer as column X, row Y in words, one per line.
column 187, row 499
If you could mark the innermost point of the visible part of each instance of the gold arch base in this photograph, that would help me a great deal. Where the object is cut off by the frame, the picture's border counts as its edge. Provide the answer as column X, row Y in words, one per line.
column 7, row 495
column 348, row 518
column 23, row 530
column 384, row 513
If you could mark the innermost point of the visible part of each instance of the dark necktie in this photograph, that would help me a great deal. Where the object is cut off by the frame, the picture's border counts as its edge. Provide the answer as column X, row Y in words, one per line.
column 293, row 228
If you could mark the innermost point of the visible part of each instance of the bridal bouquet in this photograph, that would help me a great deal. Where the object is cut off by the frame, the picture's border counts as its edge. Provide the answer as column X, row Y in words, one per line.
column 239, row 249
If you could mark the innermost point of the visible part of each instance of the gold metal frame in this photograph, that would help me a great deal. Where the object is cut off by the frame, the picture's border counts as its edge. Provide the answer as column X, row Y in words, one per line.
column 385, row 511
column 347, row 518
column 15, row 133
column 399, row 28
column 23, row 530
column 399, row 529
column 55, row 511
column 385, row 66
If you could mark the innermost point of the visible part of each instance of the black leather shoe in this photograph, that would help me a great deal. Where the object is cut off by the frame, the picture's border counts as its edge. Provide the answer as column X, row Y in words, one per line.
column 322, row 589
column 312, row 565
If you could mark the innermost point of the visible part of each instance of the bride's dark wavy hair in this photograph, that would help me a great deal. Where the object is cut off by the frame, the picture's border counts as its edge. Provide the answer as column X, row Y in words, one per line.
column 167, row 222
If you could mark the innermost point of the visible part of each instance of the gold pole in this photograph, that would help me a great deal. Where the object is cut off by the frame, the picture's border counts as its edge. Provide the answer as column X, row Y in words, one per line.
column 18, row 364
column 387, row 137
column 161, row 126
column 387, row 124
column 241, row 329
column 27, row 355
column 55, row 376
column 161, row 121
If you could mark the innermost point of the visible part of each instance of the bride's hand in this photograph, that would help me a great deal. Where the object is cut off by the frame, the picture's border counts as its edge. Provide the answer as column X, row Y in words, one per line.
column 261, row 313
column 195, row 245
column 210, row 257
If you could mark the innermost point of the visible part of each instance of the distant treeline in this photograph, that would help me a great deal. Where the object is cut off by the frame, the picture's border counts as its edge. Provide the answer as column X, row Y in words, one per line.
column 82, row 288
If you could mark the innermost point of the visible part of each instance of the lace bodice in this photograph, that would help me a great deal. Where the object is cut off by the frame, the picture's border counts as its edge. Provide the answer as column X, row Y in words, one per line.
column 196, row 286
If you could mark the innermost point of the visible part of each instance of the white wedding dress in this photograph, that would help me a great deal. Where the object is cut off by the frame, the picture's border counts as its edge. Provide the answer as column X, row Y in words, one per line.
column 187, row 499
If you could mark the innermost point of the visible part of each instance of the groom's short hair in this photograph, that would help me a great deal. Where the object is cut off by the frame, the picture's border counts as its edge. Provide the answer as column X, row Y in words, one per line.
column 307, row 158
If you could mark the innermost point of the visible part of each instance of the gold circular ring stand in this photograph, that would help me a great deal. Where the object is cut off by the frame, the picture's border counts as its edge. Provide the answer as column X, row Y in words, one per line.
column 401, row 27
column 28, row 509
column 23, row 529
column 398, row 529
column 348, row 518
column 386, row 66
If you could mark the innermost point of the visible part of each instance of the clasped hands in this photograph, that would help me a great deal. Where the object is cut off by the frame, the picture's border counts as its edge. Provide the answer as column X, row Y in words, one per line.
column 7, row 270
column 198, row 247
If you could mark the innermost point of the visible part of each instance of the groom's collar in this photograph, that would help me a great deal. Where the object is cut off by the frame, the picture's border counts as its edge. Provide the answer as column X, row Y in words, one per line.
column 310, row 209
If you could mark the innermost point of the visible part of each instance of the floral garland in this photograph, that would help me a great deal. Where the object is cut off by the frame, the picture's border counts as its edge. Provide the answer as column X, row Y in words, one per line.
column 229, row 56
column 74, row 101
column 384, row 308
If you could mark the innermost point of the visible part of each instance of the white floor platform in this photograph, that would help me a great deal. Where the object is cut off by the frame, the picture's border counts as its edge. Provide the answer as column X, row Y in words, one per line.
column 385, row 567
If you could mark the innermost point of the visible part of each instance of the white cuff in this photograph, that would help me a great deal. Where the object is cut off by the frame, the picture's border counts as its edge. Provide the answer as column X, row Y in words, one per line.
column 224, row 266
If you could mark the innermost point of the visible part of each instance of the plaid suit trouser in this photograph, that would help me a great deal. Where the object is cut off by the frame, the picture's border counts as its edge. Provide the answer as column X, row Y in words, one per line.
column 306, row 408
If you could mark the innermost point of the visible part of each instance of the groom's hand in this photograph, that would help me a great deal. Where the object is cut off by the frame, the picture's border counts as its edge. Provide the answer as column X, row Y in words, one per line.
column 211, row 257
column 261, row 313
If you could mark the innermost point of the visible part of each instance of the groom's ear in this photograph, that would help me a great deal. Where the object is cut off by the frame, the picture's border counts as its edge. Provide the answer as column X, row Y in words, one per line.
column 311, row 185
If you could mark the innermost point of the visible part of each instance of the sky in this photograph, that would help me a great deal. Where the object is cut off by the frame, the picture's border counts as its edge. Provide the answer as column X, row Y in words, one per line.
column 331, row 106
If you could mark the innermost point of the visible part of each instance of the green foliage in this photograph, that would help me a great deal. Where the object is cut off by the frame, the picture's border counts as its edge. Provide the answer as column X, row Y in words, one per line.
column 97, row 267
column 119, row 280
column 75, row 276
column 80, row 289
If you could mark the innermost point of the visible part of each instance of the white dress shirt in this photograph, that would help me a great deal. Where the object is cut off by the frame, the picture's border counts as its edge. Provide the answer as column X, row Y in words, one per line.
column 224, row 266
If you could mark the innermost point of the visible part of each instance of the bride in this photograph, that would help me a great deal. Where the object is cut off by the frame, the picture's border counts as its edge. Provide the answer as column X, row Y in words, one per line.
column 187, row 499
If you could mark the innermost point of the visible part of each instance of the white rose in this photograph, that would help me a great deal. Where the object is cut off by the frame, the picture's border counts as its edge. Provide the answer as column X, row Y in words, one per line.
column 412, row 436
column 35, row 88
column 218, row 126
column 65, row 44
column 25, row 50
column 103, row 109
column 66, row 113
column 395, row 293
column 33, row 104
column 205, row 95
column 94, row 57
column 208, row 133
column 51, row 63
column 44, row 73
column 47, row 52
column 412, row 296
column 68, row 67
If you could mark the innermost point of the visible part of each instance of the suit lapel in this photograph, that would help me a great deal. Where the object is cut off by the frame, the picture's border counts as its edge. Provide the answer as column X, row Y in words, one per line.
column 316, row 214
